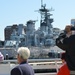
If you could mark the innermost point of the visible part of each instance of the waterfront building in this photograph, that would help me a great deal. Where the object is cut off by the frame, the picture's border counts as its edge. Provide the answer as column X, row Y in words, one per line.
column 73, row 22
column 8, row 31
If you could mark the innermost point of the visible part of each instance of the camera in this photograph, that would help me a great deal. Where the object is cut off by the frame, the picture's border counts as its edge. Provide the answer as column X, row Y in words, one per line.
column 62, row 35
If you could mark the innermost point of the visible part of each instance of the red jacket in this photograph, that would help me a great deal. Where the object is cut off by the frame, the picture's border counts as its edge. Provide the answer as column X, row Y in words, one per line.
column 64, row 70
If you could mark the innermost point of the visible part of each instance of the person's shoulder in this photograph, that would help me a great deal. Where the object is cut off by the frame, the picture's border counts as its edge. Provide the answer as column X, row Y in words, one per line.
column 15, row 71
column 15, row 68
column 72, row 37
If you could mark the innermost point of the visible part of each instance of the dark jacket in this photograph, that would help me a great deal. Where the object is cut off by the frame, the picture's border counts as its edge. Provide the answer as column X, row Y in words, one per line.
column 23, row 69
column 68, row 45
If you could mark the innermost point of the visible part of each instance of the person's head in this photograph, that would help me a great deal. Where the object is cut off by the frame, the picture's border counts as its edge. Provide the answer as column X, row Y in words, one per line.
column 23, row 54
column 63, row 57
column 68, row 28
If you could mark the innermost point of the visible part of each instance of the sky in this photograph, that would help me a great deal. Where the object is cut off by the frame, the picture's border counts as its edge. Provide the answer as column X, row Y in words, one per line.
column 20, row 11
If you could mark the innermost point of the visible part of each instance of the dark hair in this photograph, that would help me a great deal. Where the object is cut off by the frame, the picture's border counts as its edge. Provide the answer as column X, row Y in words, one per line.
column 63, row 56
column 72, row 28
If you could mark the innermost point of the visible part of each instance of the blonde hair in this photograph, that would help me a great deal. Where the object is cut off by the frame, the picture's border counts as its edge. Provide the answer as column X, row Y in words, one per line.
column 23, row 52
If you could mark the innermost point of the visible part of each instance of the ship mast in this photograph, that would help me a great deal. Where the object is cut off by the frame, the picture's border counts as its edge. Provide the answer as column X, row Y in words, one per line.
column 41, row 3
column 46, row 28
column 45, row 16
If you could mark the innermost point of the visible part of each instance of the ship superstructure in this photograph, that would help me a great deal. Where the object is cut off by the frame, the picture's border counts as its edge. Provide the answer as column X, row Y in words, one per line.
column 44, row 36
column 46, row 27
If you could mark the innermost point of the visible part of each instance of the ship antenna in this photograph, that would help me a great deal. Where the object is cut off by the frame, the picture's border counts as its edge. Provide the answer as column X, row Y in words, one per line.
column 41, row 3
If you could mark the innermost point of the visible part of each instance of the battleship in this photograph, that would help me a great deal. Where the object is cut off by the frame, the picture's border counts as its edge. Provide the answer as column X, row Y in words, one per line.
column 40, row 42
column 45, row 55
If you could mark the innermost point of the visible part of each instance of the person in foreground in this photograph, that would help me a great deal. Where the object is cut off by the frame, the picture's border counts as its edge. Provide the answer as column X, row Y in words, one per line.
column 23, row 68
column 67, row 43
column 64, row 68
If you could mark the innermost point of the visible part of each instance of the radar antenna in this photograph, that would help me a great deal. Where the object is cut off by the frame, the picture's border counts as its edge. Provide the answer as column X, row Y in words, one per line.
column 41, row 3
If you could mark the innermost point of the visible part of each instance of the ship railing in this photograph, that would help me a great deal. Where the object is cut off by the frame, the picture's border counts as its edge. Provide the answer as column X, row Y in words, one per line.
column 40, row 66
